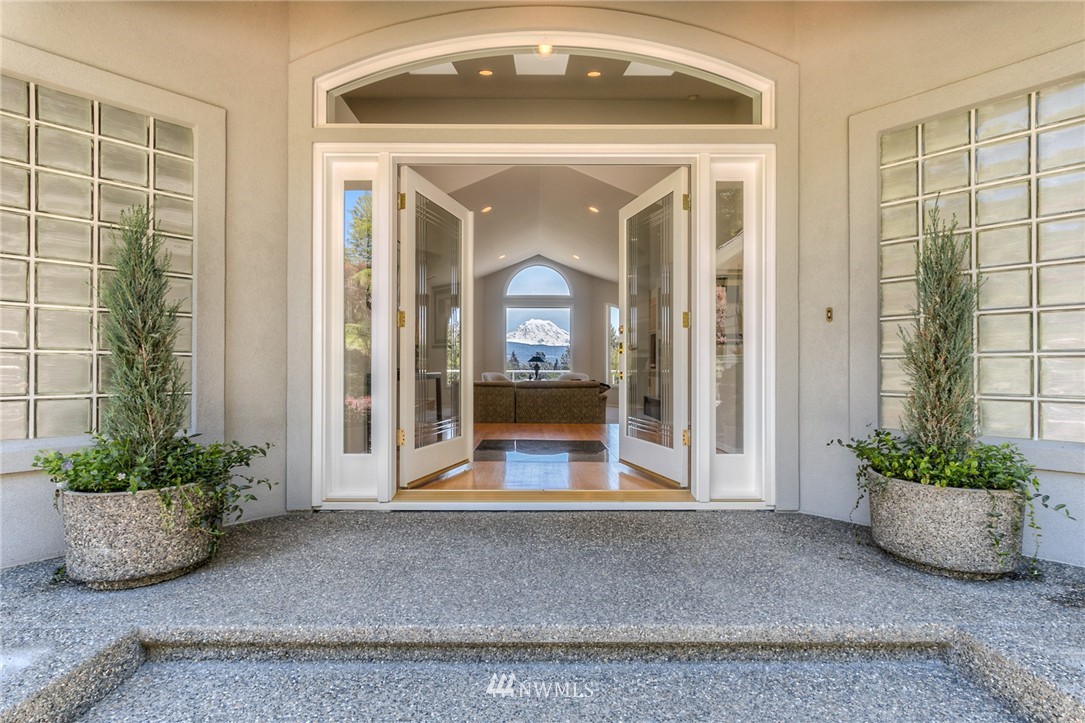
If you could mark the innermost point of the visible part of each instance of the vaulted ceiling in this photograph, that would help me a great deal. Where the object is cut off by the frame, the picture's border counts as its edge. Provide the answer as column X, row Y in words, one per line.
column 544, row 210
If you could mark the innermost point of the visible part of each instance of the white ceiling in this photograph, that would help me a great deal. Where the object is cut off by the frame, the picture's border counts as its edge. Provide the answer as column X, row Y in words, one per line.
column 543, row 210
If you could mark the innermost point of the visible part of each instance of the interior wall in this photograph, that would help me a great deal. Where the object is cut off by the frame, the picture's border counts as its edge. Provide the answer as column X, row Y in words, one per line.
column 231, row 55
column 590, row 295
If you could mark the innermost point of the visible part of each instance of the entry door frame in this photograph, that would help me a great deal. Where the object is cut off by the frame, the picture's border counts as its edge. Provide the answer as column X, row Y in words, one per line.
column 386, row 158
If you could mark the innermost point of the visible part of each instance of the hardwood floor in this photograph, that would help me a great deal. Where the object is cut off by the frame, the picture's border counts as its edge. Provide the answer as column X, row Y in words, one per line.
column 520, row 473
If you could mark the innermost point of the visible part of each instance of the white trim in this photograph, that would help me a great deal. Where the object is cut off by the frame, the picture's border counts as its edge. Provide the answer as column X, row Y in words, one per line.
column 490, row 506
column 402, row 58
column 698, row 156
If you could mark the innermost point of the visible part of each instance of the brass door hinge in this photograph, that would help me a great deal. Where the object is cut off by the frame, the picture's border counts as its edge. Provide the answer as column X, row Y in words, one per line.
column 401, row 319
column 685, row 319
column 686, row 203
column 685, row 437
column 401, row 438
column 402, row 201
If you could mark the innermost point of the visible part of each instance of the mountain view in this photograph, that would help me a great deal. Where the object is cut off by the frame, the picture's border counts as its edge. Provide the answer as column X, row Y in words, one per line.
column 534, row 336
column 538, row 332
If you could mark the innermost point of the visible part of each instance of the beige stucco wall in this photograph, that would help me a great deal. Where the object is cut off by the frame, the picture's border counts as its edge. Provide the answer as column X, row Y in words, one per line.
column 232, row 55
column 851, row 57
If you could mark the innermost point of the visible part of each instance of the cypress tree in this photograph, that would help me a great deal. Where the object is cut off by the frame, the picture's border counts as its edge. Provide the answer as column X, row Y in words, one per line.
column 148, row 407
column 940, row 408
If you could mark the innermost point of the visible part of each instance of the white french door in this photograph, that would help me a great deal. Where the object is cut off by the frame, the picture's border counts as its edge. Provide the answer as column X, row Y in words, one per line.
column 435, row 234
column 653, row 295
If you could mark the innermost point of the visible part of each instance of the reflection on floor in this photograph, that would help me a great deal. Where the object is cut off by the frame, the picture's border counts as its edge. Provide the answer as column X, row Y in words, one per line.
column 540, row 457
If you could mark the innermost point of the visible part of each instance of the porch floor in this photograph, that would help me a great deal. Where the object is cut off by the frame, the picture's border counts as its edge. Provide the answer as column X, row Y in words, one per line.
column 723, row 615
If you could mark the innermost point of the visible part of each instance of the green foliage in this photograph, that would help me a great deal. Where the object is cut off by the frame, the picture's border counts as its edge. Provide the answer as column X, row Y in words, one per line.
column 939, row 411
column 359, row 248
column 149, row 405
column 117, row 465
column 141, row 447
column 939, row 445
column 981, row 466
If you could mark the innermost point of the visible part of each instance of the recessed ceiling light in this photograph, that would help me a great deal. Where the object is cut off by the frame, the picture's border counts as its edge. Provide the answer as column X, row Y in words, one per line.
column 576, row 257
column 544, row 50
column 594, row 73
column 487, row 209
column 593, row 209
column 501, row 256
column 485, row 73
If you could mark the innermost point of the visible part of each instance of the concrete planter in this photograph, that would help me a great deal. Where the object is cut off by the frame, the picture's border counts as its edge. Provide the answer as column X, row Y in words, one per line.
column 946, row 530
column 119, row 540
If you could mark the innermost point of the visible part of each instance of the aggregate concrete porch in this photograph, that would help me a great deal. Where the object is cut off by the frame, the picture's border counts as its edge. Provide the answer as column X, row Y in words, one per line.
column 722, row 615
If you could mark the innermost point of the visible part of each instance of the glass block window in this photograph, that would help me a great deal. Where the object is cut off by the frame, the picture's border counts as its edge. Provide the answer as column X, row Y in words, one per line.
column 1012, row 172
column 68, row 166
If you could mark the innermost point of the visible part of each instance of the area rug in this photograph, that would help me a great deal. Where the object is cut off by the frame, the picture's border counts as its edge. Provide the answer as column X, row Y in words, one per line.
column 559, row 450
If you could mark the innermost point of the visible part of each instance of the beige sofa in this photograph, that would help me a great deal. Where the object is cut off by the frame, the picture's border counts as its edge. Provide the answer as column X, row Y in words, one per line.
column 541, row 402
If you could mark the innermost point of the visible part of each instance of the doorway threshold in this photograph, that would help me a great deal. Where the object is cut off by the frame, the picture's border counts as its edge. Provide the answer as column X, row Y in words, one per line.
column 681, row 496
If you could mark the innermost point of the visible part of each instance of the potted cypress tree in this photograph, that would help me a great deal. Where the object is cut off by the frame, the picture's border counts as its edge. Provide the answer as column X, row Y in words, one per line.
column 941, row 500
column 145, row 502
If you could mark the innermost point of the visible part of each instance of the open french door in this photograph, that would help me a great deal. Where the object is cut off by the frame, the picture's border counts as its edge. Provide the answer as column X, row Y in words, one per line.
column 435, row 233
column 653, row 295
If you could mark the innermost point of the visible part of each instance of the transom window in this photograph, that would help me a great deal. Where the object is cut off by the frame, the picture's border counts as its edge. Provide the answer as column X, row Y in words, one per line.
column 1012, row 173
column 545, row 84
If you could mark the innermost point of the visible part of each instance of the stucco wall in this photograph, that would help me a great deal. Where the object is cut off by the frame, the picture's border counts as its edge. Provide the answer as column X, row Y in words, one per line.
column 908, row 48
column 851, row 57
column 232, row 55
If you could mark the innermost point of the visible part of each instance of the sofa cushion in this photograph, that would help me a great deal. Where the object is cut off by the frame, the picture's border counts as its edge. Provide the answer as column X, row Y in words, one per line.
column 495, row 402
column 560, row 402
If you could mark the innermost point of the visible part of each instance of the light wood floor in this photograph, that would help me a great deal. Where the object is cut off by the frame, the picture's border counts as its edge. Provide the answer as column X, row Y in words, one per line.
column 529, row 475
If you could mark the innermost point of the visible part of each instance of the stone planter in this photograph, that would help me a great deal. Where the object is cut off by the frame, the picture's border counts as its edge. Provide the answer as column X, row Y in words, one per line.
column 119, row 540
column 946, row 530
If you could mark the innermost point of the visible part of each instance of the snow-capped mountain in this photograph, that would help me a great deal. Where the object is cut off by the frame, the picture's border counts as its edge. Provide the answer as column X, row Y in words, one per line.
column 538, row 332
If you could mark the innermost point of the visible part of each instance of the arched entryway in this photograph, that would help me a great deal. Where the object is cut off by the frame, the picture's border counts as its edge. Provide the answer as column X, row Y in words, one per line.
column 360, row 153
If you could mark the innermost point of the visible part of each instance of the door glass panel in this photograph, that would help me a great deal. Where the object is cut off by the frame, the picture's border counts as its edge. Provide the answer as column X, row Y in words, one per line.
column 357, row 315
column 650, row 403
column 729, row 297
column 438, row 238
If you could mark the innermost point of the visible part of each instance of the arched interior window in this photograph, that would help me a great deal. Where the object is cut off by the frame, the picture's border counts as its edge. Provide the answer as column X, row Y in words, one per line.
column 538, row 281
column 538, row 335
column 528, row 86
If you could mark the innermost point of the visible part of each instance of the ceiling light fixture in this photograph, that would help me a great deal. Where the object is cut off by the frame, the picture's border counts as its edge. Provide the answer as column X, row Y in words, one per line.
column 576, row 257
column 485, row 73
column 544, row 50
column 501, row 256
column 593, row 209
column 487, row 209
column 594, row 73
